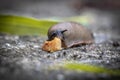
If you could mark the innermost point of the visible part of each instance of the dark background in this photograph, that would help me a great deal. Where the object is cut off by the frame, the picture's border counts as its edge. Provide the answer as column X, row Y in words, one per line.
column 106, row 13
column 61, row 8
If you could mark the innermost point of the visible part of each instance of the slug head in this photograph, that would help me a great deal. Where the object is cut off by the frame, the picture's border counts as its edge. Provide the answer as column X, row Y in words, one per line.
column 58, row 34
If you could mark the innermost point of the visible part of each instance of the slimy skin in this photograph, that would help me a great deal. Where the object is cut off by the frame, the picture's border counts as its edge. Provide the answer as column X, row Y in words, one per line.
column 74, row 34
column 66, row 35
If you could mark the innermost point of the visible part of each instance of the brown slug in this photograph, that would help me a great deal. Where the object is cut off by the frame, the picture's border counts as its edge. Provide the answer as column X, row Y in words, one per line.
column 68, row 34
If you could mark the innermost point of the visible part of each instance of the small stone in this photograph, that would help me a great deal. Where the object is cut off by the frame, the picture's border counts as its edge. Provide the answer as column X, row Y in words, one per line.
column 22, row 46
column 115, row 44
column 7, row 44
column 36, row 46
column 60, row 77
column 64, row 53
column 57, row 56
column 48, row 56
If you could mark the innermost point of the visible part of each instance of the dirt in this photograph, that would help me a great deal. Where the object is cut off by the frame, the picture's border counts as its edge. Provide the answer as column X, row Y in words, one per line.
column 21, row 58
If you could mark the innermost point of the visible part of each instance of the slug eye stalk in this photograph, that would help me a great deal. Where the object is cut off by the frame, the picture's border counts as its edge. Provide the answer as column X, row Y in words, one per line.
column 58, row 34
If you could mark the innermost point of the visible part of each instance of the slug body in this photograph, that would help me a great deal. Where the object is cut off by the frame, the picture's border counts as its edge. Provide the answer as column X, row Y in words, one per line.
column 71, row 34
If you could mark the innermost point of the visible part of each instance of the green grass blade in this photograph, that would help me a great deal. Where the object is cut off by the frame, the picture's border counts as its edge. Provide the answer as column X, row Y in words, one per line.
column 23, row 25
column 30, row 26
column 90, row 68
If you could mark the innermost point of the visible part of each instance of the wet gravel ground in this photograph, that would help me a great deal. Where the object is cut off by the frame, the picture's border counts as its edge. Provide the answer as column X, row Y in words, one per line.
column 21, row 58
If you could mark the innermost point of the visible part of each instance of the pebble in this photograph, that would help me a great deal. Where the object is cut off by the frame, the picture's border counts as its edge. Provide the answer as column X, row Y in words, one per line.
column 60, row 77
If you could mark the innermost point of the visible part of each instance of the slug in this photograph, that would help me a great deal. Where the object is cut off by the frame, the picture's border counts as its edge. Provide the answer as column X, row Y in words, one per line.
column 66, row 35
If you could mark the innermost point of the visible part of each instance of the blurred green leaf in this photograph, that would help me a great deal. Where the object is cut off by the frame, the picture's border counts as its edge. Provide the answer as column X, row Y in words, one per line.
column 90, row 68
column 24, row 25
column 84, row 20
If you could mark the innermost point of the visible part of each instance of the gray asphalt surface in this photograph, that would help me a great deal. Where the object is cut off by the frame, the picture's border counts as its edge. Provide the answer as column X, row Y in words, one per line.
column 21, row 57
